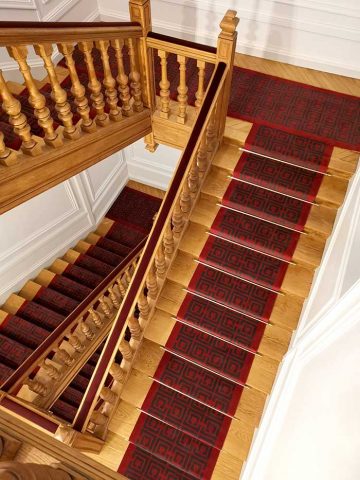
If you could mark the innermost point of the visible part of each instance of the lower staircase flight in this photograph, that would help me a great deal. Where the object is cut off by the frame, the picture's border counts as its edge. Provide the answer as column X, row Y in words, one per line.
column 30, row 316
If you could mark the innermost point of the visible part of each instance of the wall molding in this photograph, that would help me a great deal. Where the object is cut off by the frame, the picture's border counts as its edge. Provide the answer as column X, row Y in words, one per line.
column 59, row 10
column 326, row 331
column 308, row 28
column 149, row 172
column 18, row 4
column 345, row 227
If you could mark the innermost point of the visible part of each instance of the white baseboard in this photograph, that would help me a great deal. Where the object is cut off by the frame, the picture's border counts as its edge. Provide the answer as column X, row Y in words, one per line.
column 252, row 48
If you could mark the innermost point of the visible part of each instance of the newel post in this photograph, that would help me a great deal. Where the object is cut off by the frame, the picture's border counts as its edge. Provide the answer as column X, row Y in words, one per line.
column 226, row 46
column 140, row 11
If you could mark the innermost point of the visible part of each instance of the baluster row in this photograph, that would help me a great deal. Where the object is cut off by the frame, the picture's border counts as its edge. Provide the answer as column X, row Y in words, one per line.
column 123, row 94
column 182, row 88
column 75, row 342
column 153, row 282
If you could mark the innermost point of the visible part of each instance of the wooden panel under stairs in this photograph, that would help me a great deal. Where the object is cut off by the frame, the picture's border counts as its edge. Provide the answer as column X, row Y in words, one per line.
column 195, row 341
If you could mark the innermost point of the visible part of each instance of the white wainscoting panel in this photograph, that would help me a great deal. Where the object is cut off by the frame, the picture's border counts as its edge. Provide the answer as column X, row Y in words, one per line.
column 33, row 234
column 310, row 425
column 315, row 34
column 340, row 266
column 155, row 169
column 103, row 182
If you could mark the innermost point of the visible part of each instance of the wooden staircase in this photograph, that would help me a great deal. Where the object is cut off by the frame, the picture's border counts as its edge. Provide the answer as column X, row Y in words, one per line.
column 276, row 336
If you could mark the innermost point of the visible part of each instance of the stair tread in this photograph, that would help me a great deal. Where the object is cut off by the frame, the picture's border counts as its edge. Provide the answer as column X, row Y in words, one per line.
column 105, row 256
column 69, row 287
column 13, row 353
column 173, row 446
column 82, row 275
column 23, row 331
column 92, row 264
column 64, row 410
column 39, row 314
column 225, row 359
column 200, row 384
column 187, row 415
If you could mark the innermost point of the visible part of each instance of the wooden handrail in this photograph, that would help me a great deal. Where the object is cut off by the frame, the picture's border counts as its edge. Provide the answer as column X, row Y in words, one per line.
column 178, row 46
column 28, row 33
column 45, row 347
column 151, row 246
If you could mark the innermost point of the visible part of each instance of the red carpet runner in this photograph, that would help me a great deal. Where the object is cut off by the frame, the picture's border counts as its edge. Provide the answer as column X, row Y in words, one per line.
column 199, row 381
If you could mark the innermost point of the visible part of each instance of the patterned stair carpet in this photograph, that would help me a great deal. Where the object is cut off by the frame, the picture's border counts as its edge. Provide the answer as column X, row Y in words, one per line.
column 132, row 213
column 230, row 298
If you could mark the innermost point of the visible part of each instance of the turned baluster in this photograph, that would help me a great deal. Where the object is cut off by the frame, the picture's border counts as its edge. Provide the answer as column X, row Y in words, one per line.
column 135, row 329
column 185, row 198
column 194, row 177
column 126, row 350
column 18, row 120
column 86, row 330
column 182, row 90
column 168, row 241
column 109, row 82
column 177, row 220
column 94, row 85
column 37, row 387
column 95, row 317
column 7, row 156
column 164, row 86
column 76, row 343
column 58, row 94
column 160, row 262
column 50, row 370
column 36, row 99
column 151, row 283
column 134, row 77
column 98, row 419
column 114, row 298
column 201, row 89
column 144, row 309
column 202, row 157
column 64, row 357
column 122, row 79
column 211, row 132
column 117, row 372
column 78, row 91
column 108, row 395
column 121, row 287
column 105, row 307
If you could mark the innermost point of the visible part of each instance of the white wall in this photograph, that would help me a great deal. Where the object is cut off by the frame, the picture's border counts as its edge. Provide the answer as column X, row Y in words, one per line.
column 33, row 234
column 155, row 169
column 310, row 429
column 312, row 33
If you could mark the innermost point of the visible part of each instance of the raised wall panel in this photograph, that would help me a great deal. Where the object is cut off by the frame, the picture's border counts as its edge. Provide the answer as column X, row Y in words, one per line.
column 103, row 182
column 36, row 232
column 319, row 35
column 155, row 169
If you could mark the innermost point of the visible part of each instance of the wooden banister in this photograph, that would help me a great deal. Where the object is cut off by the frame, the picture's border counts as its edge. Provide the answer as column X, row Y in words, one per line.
column 28, row 33
column 38, row 355
column 145, row 272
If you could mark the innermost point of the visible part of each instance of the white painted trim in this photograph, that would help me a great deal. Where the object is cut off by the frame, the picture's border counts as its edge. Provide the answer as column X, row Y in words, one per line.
column 350, row 206
column 149, row 172
column 325, row 332
column 18, row 4
column 281, row 55
column 103, row 198
column 60, row 10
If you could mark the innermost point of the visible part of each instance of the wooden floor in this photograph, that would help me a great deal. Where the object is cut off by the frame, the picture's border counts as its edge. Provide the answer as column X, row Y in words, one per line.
column 338, row 83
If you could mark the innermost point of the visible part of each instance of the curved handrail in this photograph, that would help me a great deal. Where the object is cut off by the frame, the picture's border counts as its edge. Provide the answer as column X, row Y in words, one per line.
column 45, row 347
column 26, row 33
column 150, row 247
